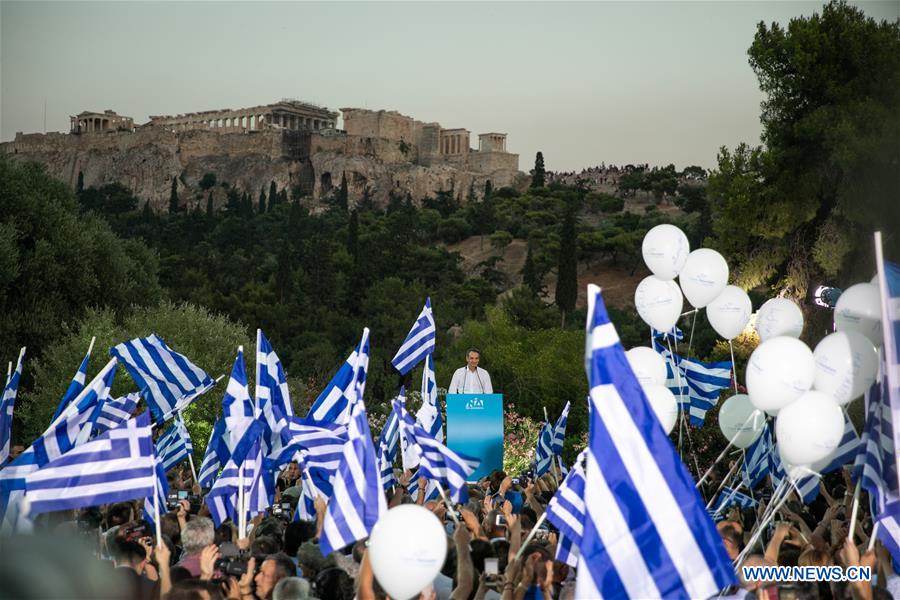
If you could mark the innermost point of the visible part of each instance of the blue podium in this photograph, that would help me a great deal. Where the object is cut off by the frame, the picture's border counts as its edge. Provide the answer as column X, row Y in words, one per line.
column 475, row 428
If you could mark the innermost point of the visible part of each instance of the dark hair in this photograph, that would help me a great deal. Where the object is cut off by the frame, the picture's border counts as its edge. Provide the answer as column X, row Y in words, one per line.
column 284, row 566
column 479, row 550
column 296, row 533
column 118, row 514
column 128, row 552
column 473, row 349
column 730, row 533
column 334, row 583
column 222, row 534
column 265, row 544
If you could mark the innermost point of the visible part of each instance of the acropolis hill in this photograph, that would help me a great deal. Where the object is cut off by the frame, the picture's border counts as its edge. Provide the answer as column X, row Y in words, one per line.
column 295, row 144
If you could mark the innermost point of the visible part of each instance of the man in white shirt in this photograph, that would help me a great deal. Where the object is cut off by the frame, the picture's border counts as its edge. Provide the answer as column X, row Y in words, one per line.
column 471, row 379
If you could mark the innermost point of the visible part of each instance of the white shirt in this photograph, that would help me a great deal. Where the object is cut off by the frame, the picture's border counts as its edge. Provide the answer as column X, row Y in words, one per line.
column 466, row 382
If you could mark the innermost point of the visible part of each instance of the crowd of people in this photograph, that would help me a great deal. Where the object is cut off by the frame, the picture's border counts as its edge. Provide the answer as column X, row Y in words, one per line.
column 494, row 553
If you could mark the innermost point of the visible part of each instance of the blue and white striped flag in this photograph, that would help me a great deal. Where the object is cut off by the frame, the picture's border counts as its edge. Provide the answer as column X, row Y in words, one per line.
column 566, row 512
column 727, row 498
column 116, row 466
column 386, row 468
column 223, row 498
column 559, row 430
column 315, row 445
column 60, row 437
column 357, row 499
column 389, row 438
column 436, row 461
column 807, row 487
column 76, row 385
column 116, row 411
column 543, row 454
column 166, row 377
column 239, row 411
column 272, row 396
column 419, row 342
column 756, row 459
column 162, row 494
column 705, row 383
column 333, row 404
column 429, row 414
column 676, row 378
column 217, row 454
column 174, row 445
column 646, row 533
column 675, row 334
column 7, row 404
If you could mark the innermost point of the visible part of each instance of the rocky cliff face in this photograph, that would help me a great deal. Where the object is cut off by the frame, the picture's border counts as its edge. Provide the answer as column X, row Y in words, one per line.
column 310, row 164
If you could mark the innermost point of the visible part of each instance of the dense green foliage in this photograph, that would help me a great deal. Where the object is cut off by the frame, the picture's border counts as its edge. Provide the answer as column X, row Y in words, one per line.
column 802, row 207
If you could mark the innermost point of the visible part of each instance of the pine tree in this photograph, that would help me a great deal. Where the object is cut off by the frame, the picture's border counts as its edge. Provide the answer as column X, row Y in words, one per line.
column 538, row 175
column 209, row 206
column 567, row 274
column 173, row 197
column 79, row 187
column 342, row 197
column 262, row 200
column 273, row 194
column 282, row 198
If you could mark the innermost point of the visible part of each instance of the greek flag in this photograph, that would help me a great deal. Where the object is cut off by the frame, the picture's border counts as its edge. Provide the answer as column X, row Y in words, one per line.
column 436, row 461
column 847, row 448
column 419, row 341
column 174, row 445
column 315, row 445
column 115, row 412
column 676, row 378
column 429, row 415
column 727, row 498
column 889, row 284
column 705, row 383
column 675, row 334
column 162, row 494
column 559, row 430
column 333, row 404
column 239, row 411
column 386, row 468
column 646, row 533
column 166, row 377
column 7, row 404
column 116, row 466
column 76, row 386
column 217, row 454
column 566, row 512
column 390, row 433
column 543, row 455
column 223, row 498
column 357, row 499
column 272, row 396
column 756, row 459
column 60, row 437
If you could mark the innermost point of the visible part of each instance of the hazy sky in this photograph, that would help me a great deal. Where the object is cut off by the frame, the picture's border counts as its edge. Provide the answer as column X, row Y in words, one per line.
column 583, row 82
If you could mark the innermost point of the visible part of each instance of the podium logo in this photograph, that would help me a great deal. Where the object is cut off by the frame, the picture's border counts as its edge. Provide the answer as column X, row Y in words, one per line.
column 475, row 404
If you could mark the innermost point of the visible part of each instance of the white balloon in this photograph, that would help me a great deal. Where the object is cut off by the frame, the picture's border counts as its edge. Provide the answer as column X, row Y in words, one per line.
column 809, row 428
column 407, row 548
column 779, row 316
column 704, row 276
column 859, row 309
column 665, row 249
column 779, row 371
column 658, row 302
column 729, row 312
column 740, row 421
column 846, row 365
column 664, row 404
column 648, row 366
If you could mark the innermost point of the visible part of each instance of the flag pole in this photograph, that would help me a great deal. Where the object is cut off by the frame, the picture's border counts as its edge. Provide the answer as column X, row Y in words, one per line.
column 8, row 372
column 724, row 480
column 733, row 366
column 156, row 515
column 782, row 497
column 447, row 502
column 193, row 470
column 242, row 517
column 874, row 537
column 91, row 345
column 854, row 511
column 753, row 415
column 889, row 344
column 531, row 533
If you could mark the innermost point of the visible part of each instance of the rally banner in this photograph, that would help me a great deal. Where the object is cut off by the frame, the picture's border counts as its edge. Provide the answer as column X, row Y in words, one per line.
column 475, row 428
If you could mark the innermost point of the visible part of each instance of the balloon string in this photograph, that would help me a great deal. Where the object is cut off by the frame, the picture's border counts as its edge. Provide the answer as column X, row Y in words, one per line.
column 725, row 480
column 733, row 366
column 693, row 322
column 740, row 430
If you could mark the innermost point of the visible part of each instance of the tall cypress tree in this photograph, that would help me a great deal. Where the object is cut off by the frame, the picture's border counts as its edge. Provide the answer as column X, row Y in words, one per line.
column 173, row 197
column 353, row 237
column 342, row 197
column 538, row 175
column 209, row 205
column 262, row 200
column 79, row 187
column 488, row 188
column 567, row 273
column 530, row 276
column 148, row 212
column 273, row 194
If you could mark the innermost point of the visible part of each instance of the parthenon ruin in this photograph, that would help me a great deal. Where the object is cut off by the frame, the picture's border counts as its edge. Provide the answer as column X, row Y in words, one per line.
column 96, row 122
column 287, row 114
